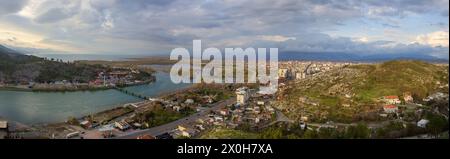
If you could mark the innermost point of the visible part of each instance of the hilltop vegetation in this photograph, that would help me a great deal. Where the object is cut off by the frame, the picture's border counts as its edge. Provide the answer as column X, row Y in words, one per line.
column 397, row 77
column 19, row 68
column 351, row 94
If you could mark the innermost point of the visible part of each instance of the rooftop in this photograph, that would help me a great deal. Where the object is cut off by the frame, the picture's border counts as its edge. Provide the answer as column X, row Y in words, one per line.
column 391, row 97
column 390, row 106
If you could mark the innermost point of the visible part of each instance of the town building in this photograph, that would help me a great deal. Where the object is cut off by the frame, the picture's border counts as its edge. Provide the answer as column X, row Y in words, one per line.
column 143, row 137
column 422, row 123
column 242, row 95
column 176, row 108
column 3, row 129
column 72, row 135
column 86, row 124
column 300, row 75
column 390, row 108
column 122, row 125
column 407, row 97
column 283, row 73
column 261, row 103
column 391, row 100
column 189, row 101
column 223, row 112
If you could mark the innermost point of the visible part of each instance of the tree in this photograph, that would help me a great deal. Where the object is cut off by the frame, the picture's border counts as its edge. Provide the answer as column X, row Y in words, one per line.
column 310, row 134
column 359, row 131
column 73, row 121
column 437, row 125
column 292, row 136
column 327, row 133
column 272, row 133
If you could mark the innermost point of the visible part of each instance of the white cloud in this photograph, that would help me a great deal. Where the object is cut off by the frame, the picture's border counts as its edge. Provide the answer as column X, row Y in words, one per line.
column 361, row 39
column 438, row 38
column 276, row 38
column 108, row 22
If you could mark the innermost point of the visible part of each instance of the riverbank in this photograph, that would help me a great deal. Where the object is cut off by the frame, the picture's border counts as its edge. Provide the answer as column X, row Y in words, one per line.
column 69, row 87
column 98, row 119
column 11, row 88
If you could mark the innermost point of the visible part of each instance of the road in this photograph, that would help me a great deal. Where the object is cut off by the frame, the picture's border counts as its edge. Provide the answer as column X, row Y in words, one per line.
column 158, row 130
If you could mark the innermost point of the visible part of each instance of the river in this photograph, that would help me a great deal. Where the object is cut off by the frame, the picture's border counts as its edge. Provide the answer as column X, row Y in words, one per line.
column 48, row 107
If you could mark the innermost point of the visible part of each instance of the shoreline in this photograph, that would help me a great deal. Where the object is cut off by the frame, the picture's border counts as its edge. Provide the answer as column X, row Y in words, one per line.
column 65, row 89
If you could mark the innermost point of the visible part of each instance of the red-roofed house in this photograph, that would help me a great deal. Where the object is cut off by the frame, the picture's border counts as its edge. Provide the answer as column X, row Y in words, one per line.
column 390, row 108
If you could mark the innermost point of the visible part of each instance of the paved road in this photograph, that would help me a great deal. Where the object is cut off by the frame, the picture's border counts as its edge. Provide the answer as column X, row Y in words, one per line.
column 155, row 131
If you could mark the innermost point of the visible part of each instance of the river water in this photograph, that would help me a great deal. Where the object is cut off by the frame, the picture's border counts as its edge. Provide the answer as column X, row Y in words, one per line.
column 47, row 107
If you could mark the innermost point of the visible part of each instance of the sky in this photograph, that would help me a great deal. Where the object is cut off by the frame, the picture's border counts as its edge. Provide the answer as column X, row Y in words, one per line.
column 152, row 27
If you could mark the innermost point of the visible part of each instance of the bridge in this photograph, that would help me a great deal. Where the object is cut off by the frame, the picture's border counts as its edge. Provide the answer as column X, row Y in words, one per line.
column 131, row 93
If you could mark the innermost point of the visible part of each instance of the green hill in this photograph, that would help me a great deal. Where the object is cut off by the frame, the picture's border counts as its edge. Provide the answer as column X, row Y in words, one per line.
column 19, row 68
column 344, row 93
column 397, row 77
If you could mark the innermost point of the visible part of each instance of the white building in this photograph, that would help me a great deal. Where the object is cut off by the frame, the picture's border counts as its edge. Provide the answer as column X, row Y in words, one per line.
column 423, row 123
column 242, row 95
column 3, row 129
column 176, row 108
column 122, row 125
column 283, row 73
column 189, row 101
column 408, row 98
column 391, row 100
column 261, row 103
column 300, row 75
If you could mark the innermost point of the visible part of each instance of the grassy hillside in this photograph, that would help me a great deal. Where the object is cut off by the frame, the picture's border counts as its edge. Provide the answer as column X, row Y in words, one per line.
column 396, row 77
column 346, row 94
column 229, row 134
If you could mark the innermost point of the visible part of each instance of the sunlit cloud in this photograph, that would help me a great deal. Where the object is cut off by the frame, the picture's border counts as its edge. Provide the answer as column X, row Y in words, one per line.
column 435, row 39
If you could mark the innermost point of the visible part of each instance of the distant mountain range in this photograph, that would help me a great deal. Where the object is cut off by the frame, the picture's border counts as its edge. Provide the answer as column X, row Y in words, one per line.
column 308, row 56
column 283, row 56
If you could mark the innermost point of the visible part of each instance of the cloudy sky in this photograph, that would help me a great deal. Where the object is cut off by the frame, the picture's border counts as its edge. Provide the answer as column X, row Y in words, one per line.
column 157, row 26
